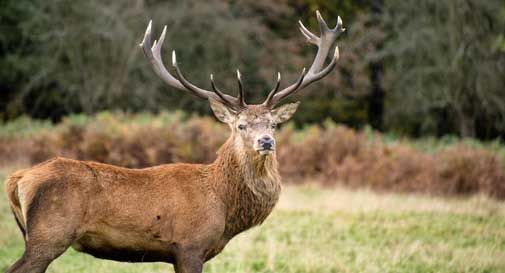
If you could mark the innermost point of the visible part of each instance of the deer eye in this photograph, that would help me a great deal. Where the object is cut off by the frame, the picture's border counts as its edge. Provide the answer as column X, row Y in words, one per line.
column 242, row 126
column 273, row 125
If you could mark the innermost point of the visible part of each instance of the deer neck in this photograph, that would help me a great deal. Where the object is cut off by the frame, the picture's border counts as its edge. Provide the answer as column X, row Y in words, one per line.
column 248, row 183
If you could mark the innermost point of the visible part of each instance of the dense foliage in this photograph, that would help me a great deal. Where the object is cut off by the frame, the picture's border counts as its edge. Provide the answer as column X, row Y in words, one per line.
column 413, row 67
column 448, row 66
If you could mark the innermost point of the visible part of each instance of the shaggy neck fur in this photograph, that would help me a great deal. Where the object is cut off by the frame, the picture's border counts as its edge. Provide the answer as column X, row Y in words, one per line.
column 248, row 183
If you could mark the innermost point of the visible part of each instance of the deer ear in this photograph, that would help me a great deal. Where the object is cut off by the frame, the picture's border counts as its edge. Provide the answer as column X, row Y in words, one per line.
column 285, row 112
column 222, row 113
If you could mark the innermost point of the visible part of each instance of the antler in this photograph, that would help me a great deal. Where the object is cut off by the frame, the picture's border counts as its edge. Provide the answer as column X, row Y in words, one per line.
column 153, row 54
column 316, row 71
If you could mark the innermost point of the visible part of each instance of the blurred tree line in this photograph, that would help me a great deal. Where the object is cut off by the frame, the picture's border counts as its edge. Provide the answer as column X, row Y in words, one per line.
column 411, row 67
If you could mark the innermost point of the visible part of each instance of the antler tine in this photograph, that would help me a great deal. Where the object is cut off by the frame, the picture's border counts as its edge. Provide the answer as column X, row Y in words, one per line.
column 221, row 94
column 156, row 62
column 153, row 54
column 311, row 38
column 323, row 27
column 339, row 27
column 241, row 97
column 270, row 101
column 190, row 87
column 316, row 71
column 300, row 80
column 273, row 91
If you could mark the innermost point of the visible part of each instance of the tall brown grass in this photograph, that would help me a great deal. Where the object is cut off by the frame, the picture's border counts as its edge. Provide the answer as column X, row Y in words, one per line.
column 331, row 154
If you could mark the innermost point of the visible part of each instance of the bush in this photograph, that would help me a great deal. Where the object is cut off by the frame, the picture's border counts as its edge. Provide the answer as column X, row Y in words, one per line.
column 330, row 154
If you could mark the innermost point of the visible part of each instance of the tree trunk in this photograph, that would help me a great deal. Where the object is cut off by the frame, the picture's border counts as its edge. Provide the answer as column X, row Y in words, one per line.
column 376, row 95
column 466, row 125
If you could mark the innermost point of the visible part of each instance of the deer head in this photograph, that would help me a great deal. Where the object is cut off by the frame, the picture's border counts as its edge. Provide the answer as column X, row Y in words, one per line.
column 252, row 125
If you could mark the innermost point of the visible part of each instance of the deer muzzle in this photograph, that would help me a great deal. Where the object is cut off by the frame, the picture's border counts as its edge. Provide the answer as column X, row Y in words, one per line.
column 265, row 144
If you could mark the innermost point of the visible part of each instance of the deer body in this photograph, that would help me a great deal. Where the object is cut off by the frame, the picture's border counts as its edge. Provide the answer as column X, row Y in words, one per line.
column 147, row 215
column 182, row 214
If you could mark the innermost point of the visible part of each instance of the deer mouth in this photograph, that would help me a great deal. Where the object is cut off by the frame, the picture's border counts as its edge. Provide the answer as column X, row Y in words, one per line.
column 266, row 151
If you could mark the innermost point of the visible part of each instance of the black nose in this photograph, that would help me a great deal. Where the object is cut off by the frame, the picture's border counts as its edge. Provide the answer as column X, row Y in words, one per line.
column 266, row 142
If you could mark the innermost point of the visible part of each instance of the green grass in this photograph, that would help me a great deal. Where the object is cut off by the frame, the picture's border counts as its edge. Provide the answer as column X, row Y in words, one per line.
column 321, row 230
column 23, row 127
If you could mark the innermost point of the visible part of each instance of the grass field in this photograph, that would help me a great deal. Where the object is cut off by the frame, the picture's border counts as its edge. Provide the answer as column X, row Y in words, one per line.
column 322, row 230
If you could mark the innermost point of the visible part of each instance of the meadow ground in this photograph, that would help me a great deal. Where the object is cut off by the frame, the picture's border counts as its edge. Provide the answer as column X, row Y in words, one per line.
column 334, row 230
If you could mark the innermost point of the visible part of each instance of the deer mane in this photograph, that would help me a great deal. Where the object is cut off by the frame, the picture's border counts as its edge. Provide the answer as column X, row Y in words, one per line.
column 248, row 183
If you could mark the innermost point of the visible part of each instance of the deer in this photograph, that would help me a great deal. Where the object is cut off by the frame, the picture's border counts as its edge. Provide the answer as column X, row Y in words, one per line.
column 182, row 214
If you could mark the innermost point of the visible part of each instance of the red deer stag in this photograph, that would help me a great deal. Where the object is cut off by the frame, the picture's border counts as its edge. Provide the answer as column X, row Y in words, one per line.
column 182, row 214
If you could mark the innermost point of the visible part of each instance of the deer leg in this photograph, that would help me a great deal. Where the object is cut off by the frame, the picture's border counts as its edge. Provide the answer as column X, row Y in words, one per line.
column 188, row 262
column 50, row 230
column 35, row 260
column 41, row 248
